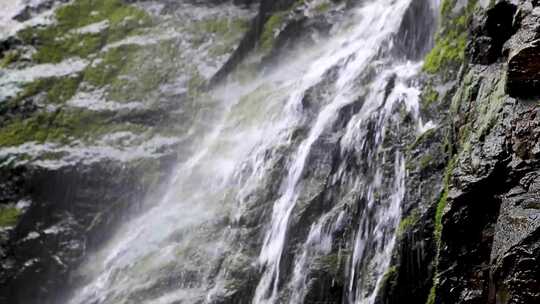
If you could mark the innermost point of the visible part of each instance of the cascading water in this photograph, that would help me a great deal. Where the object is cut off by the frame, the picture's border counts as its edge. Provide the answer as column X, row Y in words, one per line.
column 295, row 183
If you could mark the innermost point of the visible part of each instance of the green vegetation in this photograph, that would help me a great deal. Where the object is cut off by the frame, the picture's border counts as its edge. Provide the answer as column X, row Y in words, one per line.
column 60, row 126
column 432, row 294
column 9, row 57
column 323, row 7
column 54, row 45
column 229, row 30
column 389, row 278
column 110, row 67
column 441, row 204
column 448, row 50
column 271, row 27
column 429, row 96
column 8, row 216
column 195, row 84
column 451, row 40
column 426, row 161
column 422, row 138
column 224, row 27
column 58, row 89
column 408, row 222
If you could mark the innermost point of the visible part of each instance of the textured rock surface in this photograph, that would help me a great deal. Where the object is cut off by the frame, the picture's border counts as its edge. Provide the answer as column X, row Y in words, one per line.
column 476, row 232
column 82, row 149
column 486, row 220
column 470, row 227
column 523, row 51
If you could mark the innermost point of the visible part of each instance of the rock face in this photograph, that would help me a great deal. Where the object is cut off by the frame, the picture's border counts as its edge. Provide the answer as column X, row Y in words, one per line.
column 470, row 217
column 79, row 154
column 524, row 72
column 62, row 219
column 523, row 50
column 485, row 220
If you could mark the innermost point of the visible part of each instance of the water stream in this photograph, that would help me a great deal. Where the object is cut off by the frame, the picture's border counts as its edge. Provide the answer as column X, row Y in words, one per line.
column 294, row 175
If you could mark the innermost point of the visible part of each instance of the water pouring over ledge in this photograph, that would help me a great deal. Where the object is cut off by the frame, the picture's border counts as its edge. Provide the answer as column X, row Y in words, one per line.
column 295, row 183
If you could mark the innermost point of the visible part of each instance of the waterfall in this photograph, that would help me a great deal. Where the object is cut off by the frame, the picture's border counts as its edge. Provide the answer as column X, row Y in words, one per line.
column 295, row 181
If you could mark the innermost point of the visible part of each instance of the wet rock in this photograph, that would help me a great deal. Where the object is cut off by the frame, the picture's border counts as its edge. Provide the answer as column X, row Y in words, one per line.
column 494, row 178
column 252, row 38
column 523, row 76
column 523, row 72
column 412, row 35
column 490, row 31
column 64, row 220
column 516, row 274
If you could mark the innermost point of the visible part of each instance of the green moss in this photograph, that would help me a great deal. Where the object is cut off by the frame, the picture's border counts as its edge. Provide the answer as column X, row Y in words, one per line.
column 61, row 126
column 447, row 50
column 8, row 216
column 57, row 89
column 408, row 222
column 299, row 3
column 477, row 118
column 221, row 26
column 84, row 12
column 429, row 96
column 228, row 32
column 323, row 7
column 57, row 42
column 390, row 276
column 451, row 40
column 35, row 87
column 110, row 67
column 446, row 7
column 195, row 84
column 441, row 204
column 63, row 89
column 35, row 128
column 270, row 29
column 251, row 107
column 431, row 296
column 9, row 57
column 426, row 161
column 422, row 138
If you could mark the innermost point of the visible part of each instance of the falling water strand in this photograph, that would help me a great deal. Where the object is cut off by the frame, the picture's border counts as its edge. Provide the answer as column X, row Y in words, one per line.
column 378, row 21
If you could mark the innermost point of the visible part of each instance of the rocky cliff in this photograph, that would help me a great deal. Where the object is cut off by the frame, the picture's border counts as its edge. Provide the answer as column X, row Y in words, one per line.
column 473, row 225
column 98, row 100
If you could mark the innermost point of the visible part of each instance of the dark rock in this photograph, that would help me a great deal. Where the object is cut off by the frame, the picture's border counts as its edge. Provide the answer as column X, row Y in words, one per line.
column 64, row 221
column 523, row 75
column 252, row 37
column 523, row 72
column 490, row 32
column 516, row 274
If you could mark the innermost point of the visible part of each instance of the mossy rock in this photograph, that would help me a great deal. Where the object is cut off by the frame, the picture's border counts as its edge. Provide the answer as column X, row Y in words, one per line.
column 408, row 222
column 9, row 215
column 62, row 126
column 451, row 39
column 58, row 42
column 270, row 30
column 9, row 58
